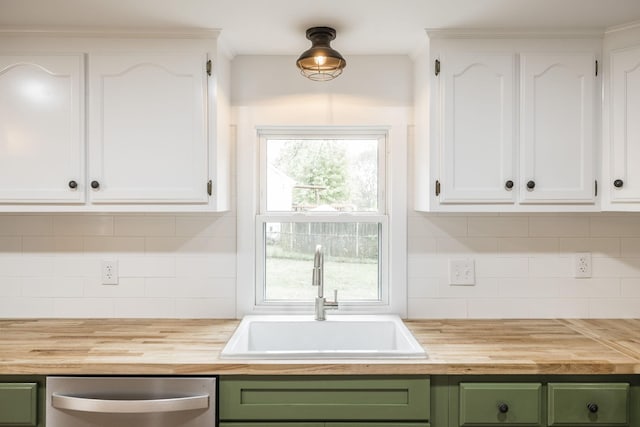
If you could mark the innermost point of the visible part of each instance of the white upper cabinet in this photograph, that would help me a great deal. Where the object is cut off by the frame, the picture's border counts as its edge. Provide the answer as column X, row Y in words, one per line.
column 623, row 178
column 156, row 122
column 477, row 133
column 41, row 129
column 511, row 125
column 148, row 133
column 557, row 128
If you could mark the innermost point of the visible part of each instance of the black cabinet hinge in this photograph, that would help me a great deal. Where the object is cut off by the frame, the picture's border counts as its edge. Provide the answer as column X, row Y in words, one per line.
column 596, row 188
column 437, row 67
column 437, row 188
column 210, row 187
column 209, row 67
column 596, row 68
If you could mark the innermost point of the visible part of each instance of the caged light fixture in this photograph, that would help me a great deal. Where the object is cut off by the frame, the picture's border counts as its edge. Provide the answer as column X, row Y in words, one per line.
column 321, row 62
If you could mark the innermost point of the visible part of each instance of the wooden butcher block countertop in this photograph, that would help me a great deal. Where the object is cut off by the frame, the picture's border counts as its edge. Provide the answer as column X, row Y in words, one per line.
column 176, row 347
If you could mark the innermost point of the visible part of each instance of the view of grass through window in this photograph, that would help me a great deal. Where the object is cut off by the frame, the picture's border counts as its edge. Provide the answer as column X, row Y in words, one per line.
column 325, row 178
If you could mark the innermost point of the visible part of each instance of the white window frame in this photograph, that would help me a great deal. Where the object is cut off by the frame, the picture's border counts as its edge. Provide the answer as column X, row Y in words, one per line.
column 380, row 217
column 247, row 196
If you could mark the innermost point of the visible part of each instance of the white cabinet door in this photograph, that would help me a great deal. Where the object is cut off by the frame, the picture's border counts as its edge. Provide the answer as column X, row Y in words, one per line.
column 41, row 129
column 625, row 127
column 557, row 128
column 148, row 133
column 477, row 102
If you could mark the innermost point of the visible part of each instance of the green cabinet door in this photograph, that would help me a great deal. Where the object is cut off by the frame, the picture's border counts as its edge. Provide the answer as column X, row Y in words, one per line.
column 324, row 398
column 18, row 404
column 330, row 424
column 574, row 404
column 483, row 404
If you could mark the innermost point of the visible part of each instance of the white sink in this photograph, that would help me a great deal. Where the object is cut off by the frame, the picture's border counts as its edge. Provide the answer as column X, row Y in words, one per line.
column 340, row 336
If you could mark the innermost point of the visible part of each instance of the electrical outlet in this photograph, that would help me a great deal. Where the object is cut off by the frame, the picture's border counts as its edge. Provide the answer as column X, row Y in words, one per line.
column 582, row 265
column 462, row 272
column 109, row 272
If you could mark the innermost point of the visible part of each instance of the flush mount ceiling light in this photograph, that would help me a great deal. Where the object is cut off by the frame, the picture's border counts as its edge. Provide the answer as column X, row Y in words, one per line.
column 321, row 62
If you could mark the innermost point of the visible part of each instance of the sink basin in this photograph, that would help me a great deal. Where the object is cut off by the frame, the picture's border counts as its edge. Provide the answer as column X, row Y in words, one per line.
column 340, row 336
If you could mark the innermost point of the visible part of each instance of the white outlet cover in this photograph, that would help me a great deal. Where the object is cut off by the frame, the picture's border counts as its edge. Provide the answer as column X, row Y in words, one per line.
column 109, row 272
column 582, row 265
column 462, row 272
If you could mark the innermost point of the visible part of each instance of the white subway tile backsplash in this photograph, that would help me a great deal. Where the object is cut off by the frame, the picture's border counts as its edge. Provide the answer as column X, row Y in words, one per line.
column 562, row 226
column 439, row 308
column 83, row 225
column 147, row 266
column 498, row 226
column 211, row 225
column 83, row 307
column 10, row 287
column 630, row 288
column 523, row 246
column 52, row 286
column 113, row 246
column 127, row 287
column 144, row 307
column 145, row 225
column 10, row 245
column 597, row 246
column 26, row 225
column 608, row 225
column 205, row 308
column 184, row 265
column 607, row 308
column 189, row 245
column 426, row 225
column 52, row 246
column 467, row 245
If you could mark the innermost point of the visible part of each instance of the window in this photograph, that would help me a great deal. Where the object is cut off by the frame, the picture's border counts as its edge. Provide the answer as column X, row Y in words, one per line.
column 322, row 188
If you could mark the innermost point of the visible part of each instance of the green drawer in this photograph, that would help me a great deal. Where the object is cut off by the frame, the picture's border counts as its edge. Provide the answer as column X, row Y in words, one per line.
column 18, row 404
column 569, row 403
column 500, row 403
column 324, row 398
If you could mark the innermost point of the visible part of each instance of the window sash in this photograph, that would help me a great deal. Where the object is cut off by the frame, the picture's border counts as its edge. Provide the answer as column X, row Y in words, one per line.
column 383, row 259
column 382, row 160
column 379, row 217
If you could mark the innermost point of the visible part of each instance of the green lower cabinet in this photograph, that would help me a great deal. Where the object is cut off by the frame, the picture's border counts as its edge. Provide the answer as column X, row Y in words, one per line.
column 18, row 404
column 483, row 404
column 325, row 398
column 576, row 404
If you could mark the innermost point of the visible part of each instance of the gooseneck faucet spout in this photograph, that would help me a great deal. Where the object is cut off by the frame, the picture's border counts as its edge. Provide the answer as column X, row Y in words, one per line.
column 318, row 280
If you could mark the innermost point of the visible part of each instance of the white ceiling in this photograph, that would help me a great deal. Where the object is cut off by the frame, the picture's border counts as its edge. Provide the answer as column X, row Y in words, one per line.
column 364, row 26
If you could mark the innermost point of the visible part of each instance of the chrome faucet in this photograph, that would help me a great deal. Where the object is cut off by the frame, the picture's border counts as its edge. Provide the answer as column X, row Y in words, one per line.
column 318, row 280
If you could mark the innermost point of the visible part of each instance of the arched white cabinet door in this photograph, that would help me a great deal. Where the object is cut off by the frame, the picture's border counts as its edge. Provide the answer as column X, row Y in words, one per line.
column 477, row 96
column 41, row 129
column 557, row 128
column 624, row 175
column 148, row 128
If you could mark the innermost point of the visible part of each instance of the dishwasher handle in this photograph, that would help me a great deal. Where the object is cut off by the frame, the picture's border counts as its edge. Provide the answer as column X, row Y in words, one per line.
column 115, row 406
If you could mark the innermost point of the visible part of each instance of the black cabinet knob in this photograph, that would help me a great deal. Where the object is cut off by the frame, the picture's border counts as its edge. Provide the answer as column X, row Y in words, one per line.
column 503, row 408
column 531, row 185
column 618, row 183
column 508, row 185
column 95, row 184
column 73, row 185
column 592, row 407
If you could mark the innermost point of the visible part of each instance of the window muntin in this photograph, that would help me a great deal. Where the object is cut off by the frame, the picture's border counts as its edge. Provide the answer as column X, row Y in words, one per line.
column 334, row 198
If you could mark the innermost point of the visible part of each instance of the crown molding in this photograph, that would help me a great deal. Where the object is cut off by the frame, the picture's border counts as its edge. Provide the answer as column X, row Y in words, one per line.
column 623, row 27
column 110, row 32
column 549, row 33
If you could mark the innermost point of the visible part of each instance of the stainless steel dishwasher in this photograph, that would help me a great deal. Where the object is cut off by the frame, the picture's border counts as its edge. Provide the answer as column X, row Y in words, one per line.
column 131, row 402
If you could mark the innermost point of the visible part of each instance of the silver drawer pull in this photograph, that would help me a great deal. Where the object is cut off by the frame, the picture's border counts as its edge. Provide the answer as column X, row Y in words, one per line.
column 105, row 406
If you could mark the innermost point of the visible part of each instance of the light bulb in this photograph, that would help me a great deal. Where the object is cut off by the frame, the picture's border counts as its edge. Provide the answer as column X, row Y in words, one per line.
column 320, row 60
